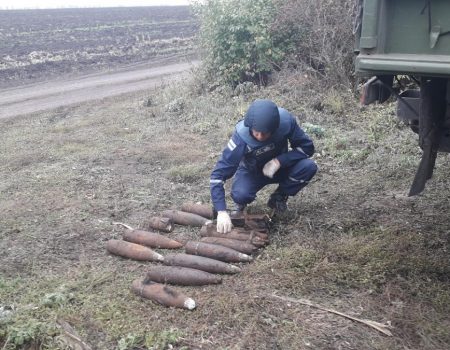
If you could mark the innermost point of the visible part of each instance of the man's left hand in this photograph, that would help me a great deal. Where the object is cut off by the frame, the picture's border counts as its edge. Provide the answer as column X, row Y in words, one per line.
column 271, row 167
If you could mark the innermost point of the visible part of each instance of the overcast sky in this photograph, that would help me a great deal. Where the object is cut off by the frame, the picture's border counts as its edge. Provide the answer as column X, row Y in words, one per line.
column 20, row 4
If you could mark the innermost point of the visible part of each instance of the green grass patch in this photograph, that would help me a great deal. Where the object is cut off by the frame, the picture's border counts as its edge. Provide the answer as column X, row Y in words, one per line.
column 187, row 173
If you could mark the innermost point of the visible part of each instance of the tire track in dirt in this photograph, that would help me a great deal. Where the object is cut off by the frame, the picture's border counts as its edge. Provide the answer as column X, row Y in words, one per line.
column 43, row 96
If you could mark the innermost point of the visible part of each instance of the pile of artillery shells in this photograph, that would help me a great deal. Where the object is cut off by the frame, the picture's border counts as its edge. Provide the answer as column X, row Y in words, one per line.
column 202, row 262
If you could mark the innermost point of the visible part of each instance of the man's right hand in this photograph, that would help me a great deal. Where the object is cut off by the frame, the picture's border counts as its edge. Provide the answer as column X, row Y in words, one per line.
column 223, row 222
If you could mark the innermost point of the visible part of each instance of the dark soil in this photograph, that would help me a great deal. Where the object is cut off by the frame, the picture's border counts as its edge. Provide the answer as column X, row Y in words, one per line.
column 38, row 45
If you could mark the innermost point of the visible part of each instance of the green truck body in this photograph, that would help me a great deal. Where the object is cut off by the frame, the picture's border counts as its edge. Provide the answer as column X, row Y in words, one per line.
column 404, row 37
column 409, row 38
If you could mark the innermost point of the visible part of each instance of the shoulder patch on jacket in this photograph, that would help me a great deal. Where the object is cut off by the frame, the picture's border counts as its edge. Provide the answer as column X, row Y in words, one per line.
column 231, row 145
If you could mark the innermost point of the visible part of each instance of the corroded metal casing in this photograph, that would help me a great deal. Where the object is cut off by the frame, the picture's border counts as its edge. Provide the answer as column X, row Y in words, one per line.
column 183, row 276
column 162, row 294
column 240, row 246
column 204, row 210
column 164, row 224
column 132, row 251
column 215, row 251
column 210, row 230
column 255, row 233
column 257, row 222
column 251, row 221
column 183, row 218
column 151, row 239
column 200, row 263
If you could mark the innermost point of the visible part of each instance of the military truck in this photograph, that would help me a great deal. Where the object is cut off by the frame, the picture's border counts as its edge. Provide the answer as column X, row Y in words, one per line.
column 409, row 38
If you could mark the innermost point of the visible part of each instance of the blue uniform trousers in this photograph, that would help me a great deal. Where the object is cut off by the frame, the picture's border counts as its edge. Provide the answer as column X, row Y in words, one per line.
column 290, row 179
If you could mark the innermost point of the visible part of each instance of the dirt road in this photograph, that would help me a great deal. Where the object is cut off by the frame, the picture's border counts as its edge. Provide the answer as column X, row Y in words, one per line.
column 42, row 96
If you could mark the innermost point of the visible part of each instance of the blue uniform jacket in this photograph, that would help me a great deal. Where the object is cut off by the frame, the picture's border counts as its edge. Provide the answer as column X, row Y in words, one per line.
column 245, row 151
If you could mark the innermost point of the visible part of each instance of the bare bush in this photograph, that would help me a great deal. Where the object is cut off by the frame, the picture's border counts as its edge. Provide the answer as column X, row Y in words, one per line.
column 322, row 32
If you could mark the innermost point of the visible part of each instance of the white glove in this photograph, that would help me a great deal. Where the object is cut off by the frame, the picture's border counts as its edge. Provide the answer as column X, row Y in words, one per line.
column 271, row 167
column 223, row 222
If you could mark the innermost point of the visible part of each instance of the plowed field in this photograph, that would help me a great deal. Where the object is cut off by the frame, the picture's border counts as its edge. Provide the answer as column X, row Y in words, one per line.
column 37, row 45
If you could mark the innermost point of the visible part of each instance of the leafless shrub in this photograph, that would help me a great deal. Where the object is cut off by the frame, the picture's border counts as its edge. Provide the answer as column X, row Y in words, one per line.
column 322, row 32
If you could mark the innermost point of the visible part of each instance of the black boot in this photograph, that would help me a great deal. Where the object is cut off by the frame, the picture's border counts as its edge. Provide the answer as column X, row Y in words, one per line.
column 278, row 201
column 238, row 209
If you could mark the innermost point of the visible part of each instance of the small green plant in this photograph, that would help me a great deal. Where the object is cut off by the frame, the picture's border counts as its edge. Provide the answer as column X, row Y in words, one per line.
column 335, row 103
column 312, row 129
column 32, row 331
column 335, row 144
column 245, row 88
column 186, row 173
column 56, row 299
column 163, row 340
column 130, row 341
column 151, row 341
column 176, row 106
column 380, row 126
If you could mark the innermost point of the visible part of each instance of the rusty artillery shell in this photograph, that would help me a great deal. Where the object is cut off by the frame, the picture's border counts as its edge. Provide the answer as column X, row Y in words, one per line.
column 160, row 223
column 151, row 239
column 200, row 263
column 240, row 246
column 255, row 225
column 238, row 220
column 215, row 251
column 183, row 276
column 162, row 294
column 204, row 210
column 256, row 233
column 211, row 231
column 183, row 218
column 253, row 221
column 132, row 251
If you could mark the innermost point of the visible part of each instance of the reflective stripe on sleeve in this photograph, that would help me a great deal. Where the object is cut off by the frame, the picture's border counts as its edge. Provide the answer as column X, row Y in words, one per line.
column 214, row 181
column 231, row 145
column 295, row 180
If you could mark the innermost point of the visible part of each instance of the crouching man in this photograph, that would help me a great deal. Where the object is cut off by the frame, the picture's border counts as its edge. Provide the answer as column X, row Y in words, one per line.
column 257, row 155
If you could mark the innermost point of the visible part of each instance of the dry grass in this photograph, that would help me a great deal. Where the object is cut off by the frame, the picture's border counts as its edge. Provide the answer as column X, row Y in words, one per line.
column 352, row 239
